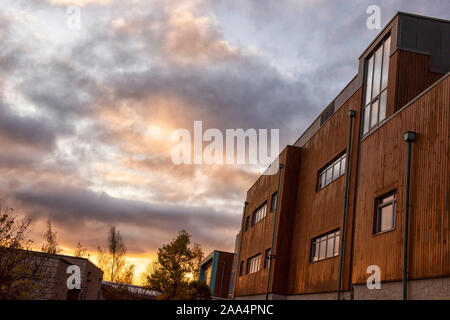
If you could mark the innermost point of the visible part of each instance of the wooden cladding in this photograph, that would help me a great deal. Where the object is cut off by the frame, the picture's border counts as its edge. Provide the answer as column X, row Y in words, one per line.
column 377, row 169
column 382, row 168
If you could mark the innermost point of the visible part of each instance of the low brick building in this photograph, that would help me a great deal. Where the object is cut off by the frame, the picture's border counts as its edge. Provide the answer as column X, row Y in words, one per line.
column 51, row 277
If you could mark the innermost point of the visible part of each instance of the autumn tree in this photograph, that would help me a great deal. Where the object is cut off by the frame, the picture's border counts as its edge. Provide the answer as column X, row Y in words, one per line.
column 197, row 261
column 175, row 261
column 80, row 251
column 113, row 260
column 18, row 271
column 150, row 268
column 50, row 245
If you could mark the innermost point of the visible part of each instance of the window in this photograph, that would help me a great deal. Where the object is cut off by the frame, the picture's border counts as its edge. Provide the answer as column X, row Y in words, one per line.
column 273, row 202
column 325, row 246
column 267, row 258
column 385, row 213
column 377, row 70
column 247, row 221
column 331, row 172
column 253, row 264
column 259, row 213
column 241, row 268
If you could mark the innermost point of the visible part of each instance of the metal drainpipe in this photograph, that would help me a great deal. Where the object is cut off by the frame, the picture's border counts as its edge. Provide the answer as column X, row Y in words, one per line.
column 273, row 232
column 238, row 262
column 409, row 137
column 221, row 280
column 352, row 114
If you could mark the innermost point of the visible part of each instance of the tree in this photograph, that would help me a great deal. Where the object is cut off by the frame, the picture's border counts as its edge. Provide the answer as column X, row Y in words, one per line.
column 80, row 251
column 113, row 261
column 145, row 275
column 198, row 258
column 174, row 263
column 50, row 245
column 19, row 273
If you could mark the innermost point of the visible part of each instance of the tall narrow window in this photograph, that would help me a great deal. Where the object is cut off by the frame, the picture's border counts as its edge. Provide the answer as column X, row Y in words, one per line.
column 377, row 73
column 273, row 202
column 267, row 258
column 247, row 221
column 385, row 213
column 241, row 268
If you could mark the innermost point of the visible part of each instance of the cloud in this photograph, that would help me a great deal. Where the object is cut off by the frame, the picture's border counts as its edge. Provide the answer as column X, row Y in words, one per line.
column 86, row 115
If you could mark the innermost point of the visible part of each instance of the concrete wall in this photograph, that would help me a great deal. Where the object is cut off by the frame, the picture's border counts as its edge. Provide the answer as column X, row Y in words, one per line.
column 425, row 289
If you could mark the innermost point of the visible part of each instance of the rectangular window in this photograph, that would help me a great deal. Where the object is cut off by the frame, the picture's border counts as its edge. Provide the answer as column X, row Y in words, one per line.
column 385, row 213
column 254, row 264
column 259, row 213
column 273, row 202
column 247, row 221
column 241, row 268
column 267, row 258
column 331, row 171
column 377, row 73
column 325, row 246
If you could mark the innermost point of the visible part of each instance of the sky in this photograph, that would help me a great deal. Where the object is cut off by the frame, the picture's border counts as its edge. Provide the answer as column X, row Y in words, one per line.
column 86, row 113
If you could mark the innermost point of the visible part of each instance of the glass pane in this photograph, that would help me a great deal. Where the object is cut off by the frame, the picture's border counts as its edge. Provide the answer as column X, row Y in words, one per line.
column 322, row 250
column 386, row 50
column 383, row 106
column 377, row 72
column 366, row 119
column 323, row 182
column 336, row 247
column 336, row 170
column 369, row 80
column 315, row 252
column 330, row 243
column 387, row 199
column 329, row 174
column 343, row 165
column 374, row 117
column 386, row 218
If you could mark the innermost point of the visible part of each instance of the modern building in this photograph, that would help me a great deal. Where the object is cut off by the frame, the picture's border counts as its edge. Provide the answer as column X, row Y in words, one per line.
column 215, row 270
column 365, row 190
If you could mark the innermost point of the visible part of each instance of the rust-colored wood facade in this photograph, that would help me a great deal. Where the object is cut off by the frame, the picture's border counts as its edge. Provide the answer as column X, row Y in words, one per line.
column 382, row 169
column 377, row 166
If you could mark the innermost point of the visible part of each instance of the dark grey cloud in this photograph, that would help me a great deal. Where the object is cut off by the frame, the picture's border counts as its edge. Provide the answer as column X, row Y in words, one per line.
column 75, row 207
column 26, row 130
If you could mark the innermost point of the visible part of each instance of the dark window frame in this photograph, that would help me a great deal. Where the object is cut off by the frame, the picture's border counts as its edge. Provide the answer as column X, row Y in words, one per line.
column 258, row 264
column 256, row 210
column 377, row 97
column 241, row 268
column 377, row 214
column 273, row 205
column 342, row 158
column 247, row 223
column 334, row 234
column 267, row 255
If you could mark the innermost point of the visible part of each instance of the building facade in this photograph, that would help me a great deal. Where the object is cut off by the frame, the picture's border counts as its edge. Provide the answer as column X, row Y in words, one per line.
column 53, row 273
column 215, row 270
column 334, row 215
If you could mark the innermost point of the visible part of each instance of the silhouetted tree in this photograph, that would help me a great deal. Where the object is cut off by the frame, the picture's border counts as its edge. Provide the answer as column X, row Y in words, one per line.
column 80, row 251
column 113, row 261
column 198, row 258
column 50, row 245
column 172, row 267
column 20, row 274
